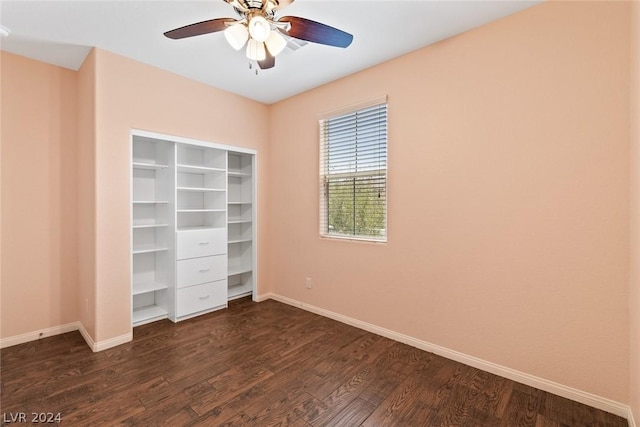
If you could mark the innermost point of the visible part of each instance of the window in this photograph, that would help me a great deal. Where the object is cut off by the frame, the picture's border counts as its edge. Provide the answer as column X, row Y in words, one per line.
column 353, row 172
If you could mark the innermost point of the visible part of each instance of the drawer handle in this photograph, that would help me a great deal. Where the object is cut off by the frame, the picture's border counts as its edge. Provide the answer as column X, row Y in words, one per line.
column 204, row 270
column 204, row 298
column 203, row 243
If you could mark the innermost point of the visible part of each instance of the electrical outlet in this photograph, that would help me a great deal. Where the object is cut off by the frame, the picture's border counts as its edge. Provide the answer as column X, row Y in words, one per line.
column 86, row 305
column 307, row 282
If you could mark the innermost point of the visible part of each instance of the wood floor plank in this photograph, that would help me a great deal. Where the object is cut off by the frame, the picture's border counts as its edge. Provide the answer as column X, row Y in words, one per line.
column 172, row 409
column 523, row 407
column 263, row 364
column 394, row 409
column 227, row 385
column 353, row 414
column 379, row 390
column 342, row 396
column 284, row 410
column 227, row 410
column 542, row 421
column 494, row 396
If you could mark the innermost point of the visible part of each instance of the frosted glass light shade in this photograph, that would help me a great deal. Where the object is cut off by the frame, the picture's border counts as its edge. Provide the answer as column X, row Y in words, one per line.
column 4, row 31
column 259, row 28
column 255, row 50
column 236, row 35
column 275, row 43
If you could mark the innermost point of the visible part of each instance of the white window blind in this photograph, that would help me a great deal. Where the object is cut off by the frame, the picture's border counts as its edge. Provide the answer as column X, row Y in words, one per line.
column 353, row 173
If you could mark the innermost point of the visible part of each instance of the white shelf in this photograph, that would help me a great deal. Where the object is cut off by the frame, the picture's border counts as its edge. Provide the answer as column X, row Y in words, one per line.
column 148, row 249
column 148, row 314
column 150, row 202
column 143, row 288
column 197, row 169
column 238, row 291
column 149, row 225
column 238, row 174
column 238, row 221
column 200, row 210
column 238, row 269
column 238, row 203
column 148, row 166
column 239, row 240
column 199, row 189
column 198, row 227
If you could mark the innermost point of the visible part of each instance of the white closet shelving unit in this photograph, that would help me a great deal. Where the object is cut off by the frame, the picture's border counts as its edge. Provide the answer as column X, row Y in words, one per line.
column 201, row 187
column 240, row 224
column 193, row 226
column 152, row 237
column 201, row 233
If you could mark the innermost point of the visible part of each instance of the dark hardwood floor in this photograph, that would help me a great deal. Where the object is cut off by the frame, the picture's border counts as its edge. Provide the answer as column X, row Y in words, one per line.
column 267, row 364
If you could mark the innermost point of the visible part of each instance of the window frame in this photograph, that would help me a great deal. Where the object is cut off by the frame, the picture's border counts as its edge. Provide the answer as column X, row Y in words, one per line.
column 323, row 174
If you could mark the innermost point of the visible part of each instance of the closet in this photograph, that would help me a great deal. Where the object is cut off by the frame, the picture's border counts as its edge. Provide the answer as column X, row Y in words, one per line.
column 192, row 226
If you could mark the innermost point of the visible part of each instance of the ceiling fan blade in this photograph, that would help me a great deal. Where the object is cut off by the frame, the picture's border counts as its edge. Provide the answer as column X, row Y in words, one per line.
column 204, row 27
column 312, row 31
column 278, row 4
column 268, row 62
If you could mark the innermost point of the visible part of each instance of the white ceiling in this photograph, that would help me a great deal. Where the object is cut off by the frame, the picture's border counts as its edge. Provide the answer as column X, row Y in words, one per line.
column 63, row 32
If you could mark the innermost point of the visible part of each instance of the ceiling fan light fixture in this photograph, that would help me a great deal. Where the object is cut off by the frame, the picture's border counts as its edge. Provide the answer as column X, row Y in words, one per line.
column 259, row 28
column 256, row 50
column 237, row 35
column 264, row 33
column 4, row 32
column 275, row 43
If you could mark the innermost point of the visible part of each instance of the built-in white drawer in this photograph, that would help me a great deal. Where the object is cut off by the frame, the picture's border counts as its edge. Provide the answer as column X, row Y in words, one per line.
column 200, row 270
column 201, row 242
column 201, row 297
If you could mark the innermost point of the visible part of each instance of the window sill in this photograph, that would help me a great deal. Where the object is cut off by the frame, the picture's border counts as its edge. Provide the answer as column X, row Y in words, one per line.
column 352, row 239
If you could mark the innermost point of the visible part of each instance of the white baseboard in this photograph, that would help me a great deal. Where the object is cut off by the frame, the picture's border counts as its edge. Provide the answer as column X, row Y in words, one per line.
column 571, row 393
column 35, row 335
column 632, row 421
column 113, row 342
column 87, row 337
column 263, row 297
column 63, row 329
column 103, row 345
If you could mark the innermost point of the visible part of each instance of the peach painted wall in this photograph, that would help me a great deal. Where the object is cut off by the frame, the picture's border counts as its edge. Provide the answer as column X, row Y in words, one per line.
column 634, row 297
column 86, row 194
column 39, row 207
column 134, row 95
column 508, row 197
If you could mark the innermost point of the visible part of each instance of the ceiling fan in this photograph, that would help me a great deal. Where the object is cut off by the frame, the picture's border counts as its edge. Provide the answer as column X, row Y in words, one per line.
column 259, row 28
